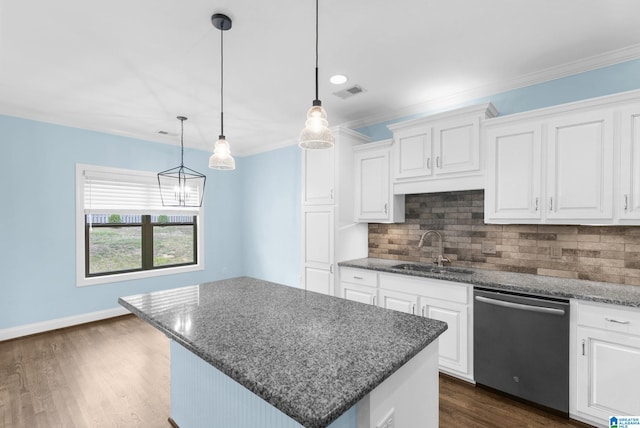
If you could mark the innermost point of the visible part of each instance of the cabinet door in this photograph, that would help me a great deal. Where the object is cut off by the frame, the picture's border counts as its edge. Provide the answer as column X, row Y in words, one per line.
column 580, row 166
column 630, row 163
column 454, row 350
column 513, row 173
column 413, row 153
column 318, row 177
column 359, row 293
column 398, row 301
column 457, row 146
column 318, row 251
column 372, row 185
column 608, row 373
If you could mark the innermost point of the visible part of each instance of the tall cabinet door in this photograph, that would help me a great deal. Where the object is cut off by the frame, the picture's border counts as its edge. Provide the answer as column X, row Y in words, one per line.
column 318, row 177
column 372, row 185
column 580, row 166
column 513, row 173
column 630, row 163
column 318, row 250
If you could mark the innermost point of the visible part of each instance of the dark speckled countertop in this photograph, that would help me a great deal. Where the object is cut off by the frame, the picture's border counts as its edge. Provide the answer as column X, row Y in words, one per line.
column 311, row 356
column 618, row 294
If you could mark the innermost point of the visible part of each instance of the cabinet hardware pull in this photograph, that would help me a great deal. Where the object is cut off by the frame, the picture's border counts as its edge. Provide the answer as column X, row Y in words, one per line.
column 373, row 300
column 626, row 202
column 582, row 346
column 422, row 311
column 331, row 194
column 385, row 208
column 428, row 163
column 357, row 277
column 551, row 203
column 331, row 268
column 413, row 309
column 536, row 204
column 438, row 162
column 617, row 321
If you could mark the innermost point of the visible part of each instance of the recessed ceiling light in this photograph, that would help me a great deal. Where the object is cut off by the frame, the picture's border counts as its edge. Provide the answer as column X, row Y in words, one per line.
column 338, row 79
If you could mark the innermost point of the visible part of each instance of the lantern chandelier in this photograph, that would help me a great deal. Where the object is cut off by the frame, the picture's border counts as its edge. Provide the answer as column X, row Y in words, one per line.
column 181, row 186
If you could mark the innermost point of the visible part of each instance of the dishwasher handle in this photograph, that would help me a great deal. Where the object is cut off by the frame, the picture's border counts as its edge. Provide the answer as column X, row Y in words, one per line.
column 530, row 308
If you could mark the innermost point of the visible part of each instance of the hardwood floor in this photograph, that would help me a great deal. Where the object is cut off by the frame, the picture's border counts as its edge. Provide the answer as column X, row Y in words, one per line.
column 115, row 373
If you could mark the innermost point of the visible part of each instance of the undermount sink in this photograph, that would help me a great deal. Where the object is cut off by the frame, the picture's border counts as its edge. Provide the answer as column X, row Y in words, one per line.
column 431, row 269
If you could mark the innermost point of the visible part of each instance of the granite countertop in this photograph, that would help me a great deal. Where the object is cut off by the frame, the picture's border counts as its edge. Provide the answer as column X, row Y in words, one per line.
column 311, row 356
column 605, row 292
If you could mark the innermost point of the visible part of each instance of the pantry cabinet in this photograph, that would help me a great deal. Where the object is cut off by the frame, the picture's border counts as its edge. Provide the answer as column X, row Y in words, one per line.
column 374, row 199
column 329, row 232
column 605, row 362
column 441, row 152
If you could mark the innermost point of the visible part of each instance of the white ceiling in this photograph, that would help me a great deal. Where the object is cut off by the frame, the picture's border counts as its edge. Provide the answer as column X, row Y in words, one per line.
column 130, row 67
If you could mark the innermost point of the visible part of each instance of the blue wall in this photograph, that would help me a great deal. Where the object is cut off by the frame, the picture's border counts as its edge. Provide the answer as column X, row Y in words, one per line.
column 37, row 219
column 258, row 205
column 590, row 84
column 271, row 193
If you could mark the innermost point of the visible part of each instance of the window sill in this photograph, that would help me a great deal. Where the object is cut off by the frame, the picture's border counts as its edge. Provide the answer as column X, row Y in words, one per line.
column 129, row 276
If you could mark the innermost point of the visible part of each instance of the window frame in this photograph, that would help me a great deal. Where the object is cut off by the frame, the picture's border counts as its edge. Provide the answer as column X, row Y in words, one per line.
column 82, row 277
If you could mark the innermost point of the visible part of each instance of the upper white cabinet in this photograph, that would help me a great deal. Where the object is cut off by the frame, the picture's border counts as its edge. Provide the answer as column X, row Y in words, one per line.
column 513, row 178
column 374, row 199
column 630, row 163
column 580, row 166
column 440, row 152
column 577, row 163
column 329, row 232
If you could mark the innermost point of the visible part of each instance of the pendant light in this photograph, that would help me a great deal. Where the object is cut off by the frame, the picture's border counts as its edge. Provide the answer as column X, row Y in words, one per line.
column 181, row 186
column 316, row 133
column 221, row 157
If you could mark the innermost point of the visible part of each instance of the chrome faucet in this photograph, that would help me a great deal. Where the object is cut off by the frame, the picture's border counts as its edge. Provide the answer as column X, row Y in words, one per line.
column 440, row 258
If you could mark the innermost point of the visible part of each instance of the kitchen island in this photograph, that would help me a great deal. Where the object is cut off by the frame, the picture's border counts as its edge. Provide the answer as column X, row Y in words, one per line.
column 246, row 353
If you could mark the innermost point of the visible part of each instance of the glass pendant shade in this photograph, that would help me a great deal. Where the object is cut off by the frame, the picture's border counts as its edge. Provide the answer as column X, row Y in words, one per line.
column 221, row 157
column 316, row 133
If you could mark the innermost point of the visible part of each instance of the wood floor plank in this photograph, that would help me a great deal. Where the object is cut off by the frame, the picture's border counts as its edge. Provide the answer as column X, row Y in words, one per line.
column 115, row 373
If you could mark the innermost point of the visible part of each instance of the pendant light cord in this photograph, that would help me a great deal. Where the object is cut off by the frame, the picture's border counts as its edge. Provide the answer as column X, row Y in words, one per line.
column 316, row 50
column 181, row 142
column 221, row 83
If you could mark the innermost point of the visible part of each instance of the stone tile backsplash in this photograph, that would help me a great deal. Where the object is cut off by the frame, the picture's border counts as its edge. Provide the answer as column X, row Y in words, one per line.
column 598, row 253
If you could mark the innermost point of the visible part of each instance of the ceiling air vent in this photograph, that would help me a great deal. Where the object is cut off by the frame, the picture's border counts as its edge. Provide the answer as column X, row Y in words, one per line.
column 349, row 92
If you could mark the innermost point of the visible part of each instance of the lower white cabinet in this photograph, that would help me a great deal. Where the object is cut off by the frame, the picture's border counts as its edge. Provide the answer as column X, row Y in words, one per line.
column 318, row 248
column 605, row 362
column 446, row 301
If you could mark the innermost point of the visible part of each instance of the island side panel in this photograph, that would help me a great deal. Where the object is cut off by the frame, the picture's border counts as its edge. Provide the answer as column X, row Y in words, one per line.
column 411, row 394
column 202, row 396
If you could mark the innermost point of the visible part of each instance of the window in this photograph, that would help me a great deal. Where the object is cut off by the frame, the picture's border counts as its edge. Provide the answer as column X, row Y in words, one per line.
column 124, row 232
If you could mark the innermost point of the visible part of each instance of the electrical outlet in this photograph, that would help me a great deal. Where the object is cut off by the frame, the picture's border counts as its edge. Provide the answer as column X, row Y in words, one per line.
column 388, row 421
column 556, row 252
column 488, row 247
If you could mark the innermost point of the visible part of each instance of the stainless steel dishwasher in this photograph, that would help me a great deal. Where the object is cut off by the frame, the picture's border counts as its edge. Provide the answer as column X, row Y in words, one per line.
column 521, row 346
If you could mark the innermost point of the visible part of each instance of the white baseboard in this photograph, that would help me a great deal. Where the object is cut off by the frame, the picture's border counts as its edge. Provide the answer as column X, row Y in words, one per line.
column 40, row 327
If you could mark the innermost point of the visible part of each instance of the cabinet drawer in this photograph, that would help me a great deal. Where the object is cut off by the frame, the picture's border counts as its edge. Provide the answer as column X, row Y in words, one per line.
column 427, row 287
column 359, row 276
column 609, row 317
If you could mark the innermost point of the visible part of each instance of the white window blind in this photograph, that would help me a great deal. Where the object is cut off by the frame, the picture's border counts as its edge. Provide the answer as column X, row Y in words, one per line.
column 120, row 191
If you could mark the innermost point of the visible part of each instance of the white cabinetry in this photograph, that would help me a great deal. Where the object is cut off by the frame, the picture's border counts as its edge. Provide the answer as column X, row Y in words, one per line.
column 577, row 163
column 630, row 163
column 605, row 358
column 441, row 152
column 359, row 285
column 580, row 166
column 329, row 232
column 446, row 301
column 375, row 201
